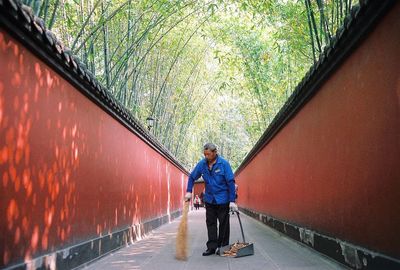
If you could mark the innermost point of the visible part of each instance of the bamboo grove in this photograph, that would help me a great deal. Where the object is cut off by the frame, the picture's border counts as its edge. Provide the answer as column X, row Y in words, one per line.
column 213, row 70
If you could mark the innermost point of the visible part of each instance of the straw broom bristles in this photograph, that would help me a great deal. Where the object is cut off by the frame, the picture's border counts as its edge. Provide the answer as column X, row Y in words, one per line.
column 181, row 238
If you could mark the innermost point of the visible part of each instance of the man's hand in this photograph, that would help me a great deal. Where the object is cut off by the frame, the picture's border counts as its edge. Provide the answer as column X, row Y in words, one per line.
column 233, row 207
column 188, row 196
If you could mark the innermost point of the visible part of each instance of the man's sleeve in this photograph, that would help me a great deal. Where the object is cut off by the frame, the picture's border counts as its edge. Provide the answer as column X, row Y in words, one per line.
column 194, row 175
column 230, row 179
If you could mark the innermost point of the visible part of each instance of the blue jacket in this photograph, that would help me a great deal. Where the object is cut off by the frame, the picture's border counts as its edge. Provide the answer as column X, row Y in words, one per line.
column 219, row 181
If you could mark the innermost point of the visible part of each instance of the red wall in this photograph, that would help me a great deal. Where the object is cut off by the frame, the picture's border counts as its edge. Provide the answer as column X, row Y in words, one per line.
column 198, row 188
column 335, row 167
column 68, row 171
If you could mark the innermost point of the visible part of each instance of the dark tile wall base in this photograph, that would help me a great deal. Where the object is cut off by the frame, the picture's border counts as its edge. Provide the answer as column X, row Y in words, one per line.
column 88, row 251
column 346, row 253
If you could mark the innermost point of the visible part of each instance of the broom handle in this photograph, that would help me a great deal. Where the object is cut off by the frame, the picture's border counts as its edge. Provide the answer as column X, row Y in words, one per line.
column 241, row 227
column 186, row 206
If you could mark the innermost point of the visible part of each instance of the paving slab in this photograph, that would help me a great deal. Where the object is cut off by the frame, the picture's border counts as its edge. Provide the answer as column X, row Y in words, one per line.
column 156, row 251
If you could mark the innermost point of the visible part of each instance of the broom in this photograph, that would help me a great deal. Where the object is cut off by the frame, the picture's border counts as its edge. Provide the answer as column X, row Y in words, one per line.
column 181, row 239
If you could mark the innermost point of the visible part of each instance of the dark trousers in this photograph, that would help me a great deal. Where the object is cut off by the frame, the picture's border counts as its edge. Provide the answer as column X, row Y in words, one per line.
column 218, row 212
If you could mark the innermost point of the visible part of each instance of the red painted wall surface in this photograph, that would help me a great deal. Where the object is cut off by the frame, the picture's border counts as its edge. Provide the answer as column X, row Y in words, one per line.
column 335, row 167
column 198, row 188
column 69, row 171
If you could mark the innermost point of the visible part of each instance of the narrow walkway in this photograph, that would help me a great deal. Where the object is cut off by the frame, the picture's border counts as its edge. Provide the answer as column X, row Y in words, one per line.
column 272, row 251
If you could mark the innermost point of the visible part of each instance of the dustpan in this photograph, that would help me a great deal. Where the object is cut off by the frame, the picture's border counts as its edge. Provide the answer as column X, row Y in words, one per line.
column 239, row 249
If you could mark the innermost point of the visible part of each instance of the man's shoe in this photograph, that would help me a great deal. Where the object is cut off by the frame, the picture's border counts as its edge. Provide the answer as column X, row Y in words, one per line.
column 209, row 252
column 218, row 251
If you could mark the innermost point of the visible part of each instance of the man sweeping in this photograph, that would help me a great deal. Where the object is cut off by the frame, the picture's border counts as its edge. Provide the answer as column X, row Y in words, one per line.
column 219, row 196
